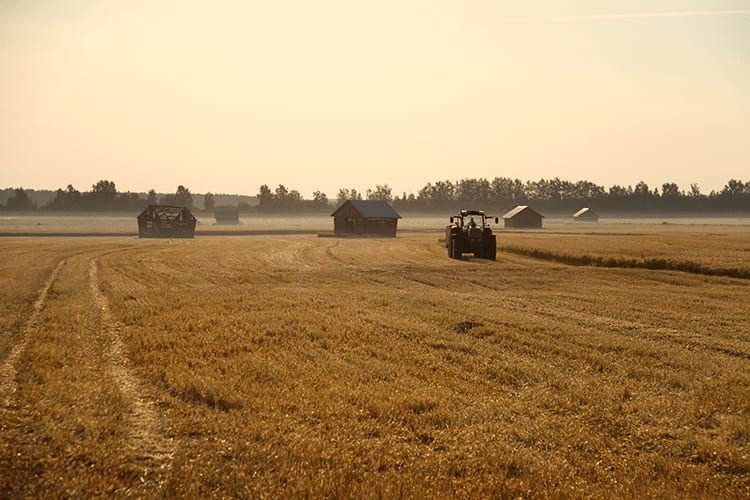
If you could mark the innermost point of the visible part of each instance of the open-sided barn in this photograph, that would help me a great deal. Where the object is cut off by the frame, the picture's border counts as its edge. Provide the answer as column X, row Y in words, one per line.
column 523, row 216
column 586, row 215
column 166, row 221
column 365, row 217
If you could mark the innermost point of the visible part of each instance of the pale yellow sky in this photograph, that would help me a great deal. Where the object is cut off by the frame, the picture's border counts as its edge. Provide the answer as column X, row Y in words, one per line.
column 224, row 96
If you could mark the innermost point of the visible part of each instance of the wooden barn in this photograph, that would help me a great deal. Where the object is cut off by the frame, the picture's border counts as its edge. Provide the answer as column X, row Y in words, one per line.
column 365, row 217
column 523, row 216
column 227, row 216
column 586, row 215
column 166, row 221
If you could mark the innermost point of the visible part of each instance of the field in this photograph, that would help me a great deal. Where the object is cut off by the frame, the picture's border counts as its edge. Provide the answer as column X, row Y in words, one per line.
column 591, row 361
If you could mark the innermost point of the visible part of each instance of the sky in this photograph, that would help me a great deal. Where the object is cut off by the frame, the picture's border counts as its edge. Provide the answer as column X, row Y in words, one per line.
column 226, row 95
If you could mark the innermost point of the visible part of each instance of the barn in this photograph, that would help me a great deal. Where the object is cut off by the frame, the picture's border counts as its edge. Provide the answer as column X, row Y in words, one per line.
column 523, row 216
column 166, row 221
column 365, row 217
column 586, row 215
column 227, row 216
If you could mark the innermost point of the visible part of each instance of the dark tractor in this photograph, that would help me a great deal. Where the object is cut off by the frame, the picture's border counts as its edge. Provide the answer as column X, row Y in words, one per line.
column 470, row 232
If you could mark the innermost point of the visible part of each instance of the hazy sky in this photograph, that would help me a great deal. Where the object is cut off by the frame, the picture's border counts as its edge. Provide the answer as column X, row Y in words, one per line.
column 224, row 95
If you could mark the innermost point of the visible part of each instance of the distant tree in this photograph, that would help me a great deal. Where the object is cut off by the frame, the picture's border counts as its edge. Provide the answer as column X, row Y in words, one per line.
column 68, row 199
column 440, row 195
column 320, row 199
column 183, row 198
column 381, row 192
column 293, row 196
column 129, row 201
column 587, row 190
column 348, row 194
column 265, row 197
column 281, row 192
column 151, row 197
column 733, row 187
column 670, row 190
column 20, row 201
column 619, row 191
column 642, row 189
column 695, row 190
column 102, row 195
column 474, row 191
column 208, row 201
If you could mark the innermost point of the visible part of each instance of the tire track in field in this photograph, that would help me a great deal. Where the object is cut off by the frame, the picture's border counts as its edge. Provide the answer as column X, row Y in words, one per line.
column 148, row 442
column 8, row 370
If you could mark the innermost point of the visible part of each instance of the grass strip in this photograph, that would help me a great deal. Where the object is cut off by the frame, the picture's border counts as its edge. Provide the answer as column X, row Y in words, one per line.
column 622, row 262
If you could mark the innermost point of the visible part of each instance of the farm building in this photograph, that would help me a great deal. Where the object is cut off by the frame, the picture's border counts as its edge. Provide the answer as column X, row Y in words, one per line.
column 586, row 215
column 365, row 217
column 523, row 216
column 166, row 221
column 227, row 216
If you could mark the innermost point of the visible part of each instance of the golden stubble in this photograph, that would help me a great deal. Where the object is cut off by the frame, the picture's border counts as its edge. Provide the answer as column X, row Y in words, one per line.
column 295, row 365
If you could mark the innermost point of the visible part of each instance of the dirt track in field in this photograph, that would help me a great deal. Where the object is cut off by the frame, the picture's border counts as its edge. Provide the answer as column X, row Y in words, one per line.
column 147, row 440
column 8, row 369
column 71, row 401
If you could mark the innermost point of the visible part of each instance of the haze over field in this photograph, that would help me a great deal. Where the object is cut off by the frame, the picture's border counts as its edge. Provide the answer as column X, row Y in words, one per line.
column 225, row 96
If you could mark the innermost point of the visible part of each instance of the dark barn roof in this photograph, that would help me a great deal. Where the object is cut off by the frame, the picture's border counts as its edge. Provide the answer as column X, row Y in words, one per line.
column 368, row 209
column 365, row 217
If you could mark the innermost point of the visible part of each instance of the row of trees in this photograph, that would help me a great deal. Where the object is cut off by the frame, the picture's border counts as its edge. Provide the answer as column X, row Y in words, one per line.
column 497, row 194
column 103, row 196
column 556, row 194
column 502, row 193
column 282, row 199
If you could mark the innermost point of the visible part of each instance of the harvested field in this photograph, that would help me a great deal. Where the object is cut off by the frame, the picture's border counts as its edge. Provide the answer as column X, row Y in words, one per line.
column 290, row 365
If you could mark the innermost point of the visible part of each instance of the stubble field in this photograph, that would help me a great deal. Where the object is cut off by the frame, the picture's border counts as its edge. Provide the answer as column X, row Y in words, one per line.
column 278, row 365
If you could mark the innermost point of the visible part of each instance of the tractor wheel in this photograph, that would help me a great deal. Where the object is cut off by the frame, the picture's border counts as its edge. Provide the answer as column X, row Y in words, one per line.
column 490, row 249
column 449, row 244
column 455, row 247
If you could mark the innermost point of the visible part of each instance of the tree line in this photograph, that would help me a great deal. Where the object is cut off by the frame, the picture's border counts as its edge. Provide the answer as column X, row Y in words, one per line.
column 103, row 196
column 558, row 195
column 503, row 193
column 498, row 194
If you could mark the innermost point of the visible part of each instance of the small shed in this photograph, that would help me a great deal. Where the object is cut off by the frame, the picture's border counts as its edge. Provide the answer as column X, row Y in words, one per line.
column 166, row 221
column 227, row 216
column 586, row 215
column 365, row 217
column 523, row 216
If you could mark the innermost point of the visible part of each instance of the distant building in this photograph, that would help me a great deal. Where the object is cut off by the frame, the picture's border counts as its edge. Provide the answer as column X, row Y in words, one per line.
column 166, row 221
column 523, row 216
column 586, row 215
column 227, row 216
column 365, row 217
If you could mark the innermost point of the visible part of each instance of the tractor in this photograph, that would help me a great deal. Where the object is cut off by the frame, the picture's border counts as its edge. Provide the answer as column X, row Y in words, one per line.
column 467, row 235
